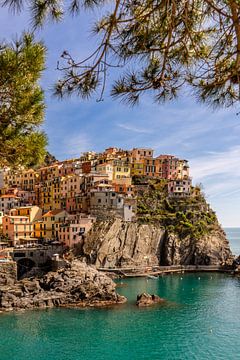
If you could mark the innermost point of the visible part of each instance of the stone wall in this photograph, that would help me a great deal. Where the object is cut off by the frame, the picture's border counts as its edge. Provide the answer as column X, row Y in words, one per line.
column 8, row 273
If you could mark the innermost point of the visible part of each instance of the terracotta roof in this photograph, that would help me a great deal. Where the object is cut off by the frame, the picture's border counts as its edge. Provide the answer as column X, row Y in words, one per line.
column 53, row 212
column 16, row 216
column 9, row 196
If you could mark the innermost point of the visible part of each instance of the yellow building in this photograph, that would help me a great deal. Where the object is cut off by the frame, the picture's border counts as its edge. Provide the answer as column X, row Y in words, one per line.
column 182, row 170
column 19, row 224
column 137, row 168
column 38, row 229
column 121, row 170
column 106, row 169
column 49, row 194
column 32, row 212
column 51, row 223
column 24, row 179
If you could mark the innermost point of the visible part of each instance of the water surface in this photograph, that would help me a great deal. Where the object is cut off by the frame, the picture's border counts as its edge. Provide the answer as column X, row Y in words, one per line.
column 200, row 320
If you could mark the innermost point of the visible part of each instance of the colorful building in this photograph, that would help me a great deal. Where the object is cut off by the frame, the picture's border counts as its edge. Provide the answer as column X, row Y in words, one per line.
column 74, row 228
column 8, row 202
column 179, row 188
column 51, row 222
column 18, row 225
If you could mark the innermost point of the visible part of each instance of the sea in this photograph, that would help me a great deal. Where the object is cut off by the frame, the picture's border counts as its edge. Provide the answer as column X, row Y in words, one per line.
column 199, row 319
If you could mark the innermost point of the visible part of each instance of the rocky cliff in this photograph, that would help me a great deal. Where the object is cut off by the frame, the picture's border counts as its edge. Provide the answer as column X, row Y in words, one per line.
column 8, row 273
column 119, row 244
column 76, row 285
column 167, row 231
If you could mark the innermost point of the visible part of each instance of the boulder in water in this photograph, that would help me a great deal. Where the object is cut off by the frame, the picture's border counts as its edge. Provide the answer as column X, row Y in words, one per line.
column 145, row 299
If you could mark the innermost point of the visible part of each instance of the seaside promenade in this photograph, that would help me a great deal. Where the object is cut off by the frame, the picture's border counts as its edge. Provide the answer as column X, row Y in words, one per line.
column 160, row 270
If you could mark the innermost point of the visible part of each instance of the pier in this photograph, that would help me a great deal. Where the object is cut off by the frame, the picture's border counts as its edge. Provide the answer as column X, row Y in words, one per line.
column 128, row 272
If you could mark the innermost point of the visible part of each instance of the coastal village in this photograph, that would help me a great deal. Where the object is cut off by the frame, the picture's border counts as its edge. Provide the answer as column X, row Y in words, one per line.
column 100, row 205
column 60, row 202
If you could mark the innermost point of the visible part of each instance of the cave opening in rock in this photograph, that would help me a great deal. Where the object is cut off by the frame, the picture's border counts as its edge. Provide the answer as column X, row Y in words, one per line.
column 23, row 266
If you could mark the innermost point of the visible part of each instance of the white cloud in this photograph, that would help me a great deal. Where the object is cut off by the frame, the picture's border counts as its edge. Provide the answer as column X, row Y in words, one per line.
column 220, row 174
column 134, row 128
column 217, row 163
column 74, row 145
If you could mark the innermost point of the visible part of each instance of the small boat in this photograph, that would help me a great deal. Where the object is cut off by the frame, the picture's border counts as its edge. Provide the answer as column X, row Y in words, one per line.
column 152, row 277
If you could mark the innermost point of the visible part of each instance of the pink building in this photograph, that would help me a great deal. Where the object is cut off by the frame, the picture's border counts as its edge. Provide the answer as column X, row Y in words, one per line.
column 74, row 229
column 166, row 166
column 179, row 188
column 71, row 187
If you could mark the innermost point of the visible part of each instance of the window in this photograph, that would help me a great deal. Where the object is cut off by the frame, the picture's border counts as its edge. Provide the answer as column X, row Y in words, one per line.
column 99, row 201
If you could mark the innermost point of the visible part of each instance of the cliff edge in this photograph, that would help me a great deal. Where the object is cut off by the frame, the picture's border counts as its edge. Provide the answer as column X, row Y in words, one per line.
column 166, row 231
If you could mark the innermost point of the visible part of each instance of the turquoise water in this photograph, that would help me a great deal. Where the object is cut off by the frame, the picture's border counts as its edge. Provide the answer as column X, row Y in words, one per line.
column 200, row 320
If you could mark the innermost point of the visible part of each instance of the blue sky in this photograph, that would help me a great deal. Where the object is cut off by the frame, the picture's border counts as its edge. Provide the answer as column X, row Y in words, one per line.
column 209, row 140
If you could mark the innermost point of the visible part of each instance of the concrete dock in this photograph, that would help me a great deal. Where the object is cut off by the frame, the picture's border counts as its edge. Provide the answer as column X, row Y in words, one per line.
column 160, row 270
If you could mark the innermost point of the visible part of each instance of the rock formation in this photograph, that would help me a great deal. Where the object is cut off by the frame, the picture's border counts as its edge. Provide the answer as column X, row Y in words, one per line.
column 209, row 249
column 118, row 244
column 166, row 231
column 8, row 273
column 76, row 285
column 148, row 300
column 121, row 244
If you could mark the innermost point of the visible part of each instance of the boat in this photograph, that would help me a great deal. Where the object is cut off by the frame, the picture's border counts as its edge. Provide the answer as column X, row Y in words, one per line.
column 152, row 277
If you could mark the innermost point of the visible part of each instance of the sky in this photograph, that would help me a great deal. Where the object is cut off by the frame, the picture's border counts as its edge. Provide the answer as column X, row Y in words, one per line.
column 208, row 139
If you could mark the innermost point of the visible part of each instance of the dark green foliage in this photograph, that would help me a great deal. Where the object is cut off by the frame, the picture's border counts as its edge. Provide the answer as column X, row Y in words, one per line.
column 21, row 103
column 189, row 216
column 49, row 159
column 160, row 46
